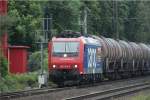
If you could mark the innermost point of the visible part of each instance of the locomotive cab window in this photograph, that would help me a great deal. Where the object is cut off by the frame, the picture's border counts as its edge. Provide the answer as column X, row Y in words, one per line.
column 65, row 49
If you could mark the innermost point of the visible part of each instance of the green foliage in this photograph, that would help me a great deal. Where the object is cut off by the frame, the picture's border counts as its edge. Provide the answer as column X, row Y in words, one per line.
column 28, row 14
column 18, row 82
column 35, row 61
column 5, row 23
column 132, row 23
column 137, row 26
column 4, row 67
column 93, row 19
column 65, row 14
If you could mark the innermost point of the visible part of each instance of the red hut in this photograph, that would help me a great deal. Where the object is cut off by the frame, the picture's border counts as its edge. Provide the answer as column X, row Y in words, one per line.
column 17, row 56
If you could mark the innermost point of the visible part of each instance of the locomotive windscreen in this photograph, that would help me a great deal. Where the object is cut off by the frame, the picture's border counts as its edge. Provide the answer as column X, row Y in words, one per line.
column 65, row 49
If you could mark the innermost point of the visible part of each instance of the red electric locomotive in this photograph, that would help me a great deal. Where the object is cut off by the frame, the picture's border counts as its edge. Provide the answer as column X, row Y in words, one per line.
column 67, row 58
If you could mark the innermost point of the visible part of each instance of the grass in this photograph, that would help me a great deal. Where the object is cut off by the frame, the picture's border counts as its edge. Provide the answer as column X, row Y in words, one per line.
column 141, row 96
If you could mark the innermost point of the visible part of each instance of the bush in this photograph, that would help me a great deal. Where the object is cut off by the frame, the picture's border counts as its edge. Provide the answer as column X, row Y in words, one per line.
column 35, row 61
column 4, row 66
column 18, row 82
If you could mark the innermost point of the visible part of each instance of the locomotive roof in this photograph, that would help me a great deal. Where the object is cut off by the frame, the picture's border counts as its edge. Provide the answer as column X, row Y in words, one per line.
column 91, row 41
column 86, row 40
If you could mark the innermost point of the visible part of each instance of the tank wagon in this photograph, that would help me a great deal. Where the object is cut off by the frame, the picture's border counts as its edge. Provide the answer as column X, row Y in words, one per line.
column 77, row 58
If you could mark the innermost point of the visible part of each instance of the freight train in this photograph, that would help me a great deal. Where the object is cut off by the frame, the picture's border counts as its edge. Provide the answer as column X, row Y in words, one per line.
column 77, row 58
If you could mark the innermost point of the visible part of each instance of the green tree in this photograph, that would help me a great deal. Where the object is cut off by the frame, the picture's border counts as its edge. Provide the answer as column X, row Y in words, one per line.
column 132, row 21
column 143, row 22
column 136, row 26
column 28, row 14
column 93, row 15
column 65, row 14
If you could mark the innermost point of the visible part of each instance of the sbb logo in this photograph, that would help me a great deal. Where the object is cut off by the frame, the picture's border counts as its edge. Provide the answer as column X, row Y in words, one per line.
column 91, row 58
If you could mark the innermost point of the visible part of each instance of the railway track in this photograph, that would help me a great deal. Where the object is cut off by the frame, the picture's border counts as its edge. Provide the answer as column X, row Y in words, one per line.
column 10, row 95
column 25, row 93
column 111, row 93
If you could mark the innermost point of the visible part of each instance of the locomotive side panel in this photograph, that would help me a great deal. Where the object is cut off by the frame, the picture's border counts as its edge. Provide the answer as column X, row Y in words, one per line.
column 92, row 61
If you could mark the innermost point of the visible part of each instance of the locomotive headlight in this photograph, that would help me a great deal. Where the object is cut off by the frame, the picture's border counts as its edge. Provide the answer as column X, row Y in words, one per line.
column 75, row 66
column 65, row 55
column 54, row 66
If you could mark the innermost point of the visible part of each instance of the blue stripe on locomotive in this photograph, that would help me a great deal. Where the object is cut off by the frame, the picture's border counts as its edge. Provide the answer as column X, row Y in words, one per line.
column 92, row 63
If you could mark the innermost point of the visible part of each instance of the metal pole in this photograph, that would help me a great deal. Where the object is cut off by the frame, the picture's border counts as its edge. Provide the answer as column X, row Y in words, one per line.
column 85, row 20
column 41, row 57
column 113, row 18
column 117, row 34
column 51, row 26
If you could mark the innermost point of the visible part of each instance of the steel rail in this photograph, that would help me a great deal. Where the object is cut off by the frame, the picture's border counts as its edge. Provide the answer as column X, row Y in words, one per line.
column 24, row 93
column 107, row 94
